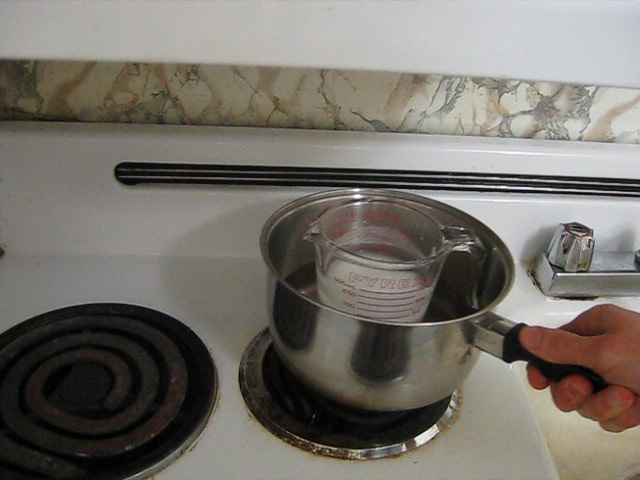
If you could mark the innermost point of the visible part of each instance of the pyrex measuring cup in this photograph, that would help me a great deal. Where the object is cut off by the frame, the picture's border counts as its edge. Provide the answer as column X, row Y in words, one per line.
column 381, row 259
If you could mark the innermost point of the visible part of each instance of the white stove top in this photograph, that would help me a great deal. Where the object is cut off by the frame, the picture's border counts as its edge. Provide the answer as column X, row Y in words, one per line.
column 72, row 234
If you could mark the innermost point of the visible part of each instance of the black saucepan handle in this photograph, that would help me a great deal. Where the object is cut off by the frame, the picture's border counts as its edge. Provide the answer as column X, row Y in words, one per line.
column 499, row 337
column 513, row 350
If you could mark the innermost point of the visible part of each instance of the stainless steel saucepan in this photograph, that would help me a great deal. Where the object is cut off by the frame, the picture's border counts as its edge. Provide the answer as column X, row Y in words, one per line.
column 385, row 365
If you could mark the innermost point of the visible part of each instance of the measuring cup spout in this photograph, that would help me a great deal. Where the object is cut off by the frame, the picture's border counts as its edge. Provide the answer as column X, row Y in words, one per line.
column 315, row 235
column 320, row 243
column 312, row 234
column 460, row 239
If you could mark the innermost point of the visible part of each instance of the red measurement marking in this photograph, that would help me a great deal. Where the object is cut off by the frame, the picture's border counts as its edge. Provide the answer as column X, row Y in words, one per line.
column 387, row 305
column 377, row 316
column 390, row 294
column 391, row 300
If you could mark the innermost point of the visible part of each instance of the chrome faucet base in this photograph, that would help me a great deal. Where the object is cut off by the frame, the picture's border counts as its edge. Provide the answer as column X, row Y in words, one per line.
column 611, row 274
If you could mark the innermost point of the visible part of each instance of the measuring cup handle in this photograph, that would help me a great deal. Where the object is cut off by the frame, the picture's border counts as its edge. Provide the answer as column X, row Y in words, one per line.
column 461, row 239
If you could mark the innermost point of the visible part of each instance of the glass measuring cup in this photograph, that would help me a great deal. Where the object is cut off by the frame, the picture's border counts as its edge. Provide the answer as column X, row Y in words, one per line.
column 381, row 259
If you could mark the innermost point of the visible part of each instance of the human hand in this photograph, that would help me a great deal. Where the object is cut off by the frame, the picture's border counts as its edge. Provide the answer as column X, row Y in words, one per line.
column 606, row 339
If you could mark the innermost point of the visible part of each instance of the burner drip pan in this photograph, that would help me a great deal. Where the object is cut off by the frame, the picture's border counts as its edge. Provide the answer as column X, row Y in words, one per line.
column 100, row 391
column 321, row 426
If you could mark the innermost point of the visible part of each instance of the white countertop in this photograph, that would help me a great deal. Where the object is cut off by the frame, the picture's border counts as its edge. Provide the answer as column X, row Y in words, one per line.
column 587, row 42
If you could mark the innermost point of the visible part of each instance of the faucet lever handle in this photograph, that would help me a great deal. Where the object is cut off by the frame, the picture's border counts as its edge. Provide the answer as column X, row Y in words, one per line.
column 571, row 248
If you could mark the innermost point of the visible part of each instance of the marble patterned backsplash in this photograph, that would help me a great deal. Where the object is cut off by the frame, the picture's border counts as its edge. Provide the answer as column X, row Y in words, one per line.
column 316, row 99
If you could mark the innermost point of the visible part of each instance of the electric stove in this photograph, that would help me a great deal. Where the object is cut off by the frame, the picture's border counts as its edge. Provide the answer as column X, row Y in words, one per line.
column 120, row 242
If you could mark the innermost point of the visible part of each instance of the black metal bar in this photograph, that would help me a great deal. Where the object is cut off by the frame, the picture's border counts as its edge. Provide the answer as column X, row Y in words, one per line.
column 135, row 173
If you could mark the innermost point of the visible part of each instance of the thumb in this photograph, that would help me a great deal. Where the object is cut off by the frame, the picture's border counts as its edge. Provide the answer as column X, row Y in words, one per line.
column 558, row 346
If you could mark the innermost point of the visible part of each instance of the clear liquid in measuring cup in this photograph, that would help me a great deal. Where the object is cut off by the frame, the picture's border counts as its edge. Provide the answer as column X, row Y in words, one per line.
column 376, row 288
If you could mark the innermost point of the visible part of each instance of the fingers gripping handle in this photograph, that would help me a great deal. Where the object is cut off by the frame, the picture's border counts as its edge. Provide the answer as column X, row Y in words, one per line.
column 500, row 337
column 513, row 350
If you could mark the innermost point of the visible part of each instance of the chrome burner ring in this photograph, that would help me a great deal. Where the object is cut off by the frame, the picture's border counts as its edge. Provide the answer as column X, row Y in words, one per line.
column 417, row 428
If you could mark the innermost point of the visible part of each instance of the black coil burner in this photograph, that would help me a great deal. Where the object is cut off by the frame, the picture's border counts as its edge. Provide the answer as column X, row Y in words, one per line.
column 317, row 424
column 100, row 391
